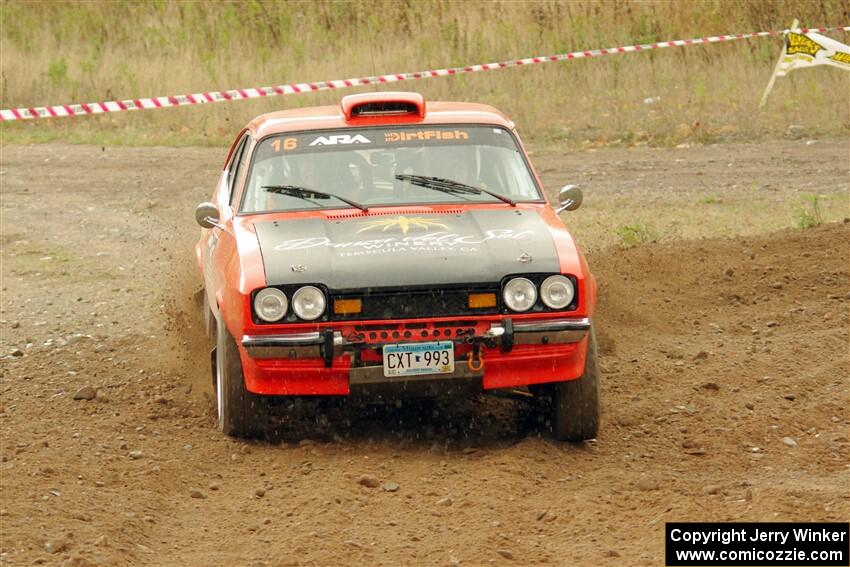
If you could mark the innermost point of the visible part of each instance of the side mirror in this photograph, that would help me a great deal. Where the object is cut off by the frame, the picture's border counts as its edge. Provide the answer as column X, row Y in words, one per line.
column 570, row 198
column 206, row 215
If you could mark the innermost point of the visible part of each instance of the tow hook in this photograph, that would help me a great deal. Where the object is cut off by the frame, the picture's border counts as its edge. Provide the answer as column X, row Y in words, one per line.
column 328, row 347
column 508, row 336
column 475, row 361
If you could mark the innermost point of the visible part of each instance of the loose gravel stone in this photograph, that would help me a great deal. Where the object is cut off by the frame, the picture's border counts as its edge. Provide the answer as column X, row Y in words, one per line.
column 647, row 484
column 55, row 546
column 195, row 493
column 368, row 481
column 389, row 487
column 789, row 441
column 85, row 393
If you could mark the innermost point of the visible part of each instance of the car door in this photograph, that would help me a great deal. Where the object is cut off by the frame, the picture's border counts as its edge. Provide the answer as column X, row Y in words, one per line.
column 218, row 242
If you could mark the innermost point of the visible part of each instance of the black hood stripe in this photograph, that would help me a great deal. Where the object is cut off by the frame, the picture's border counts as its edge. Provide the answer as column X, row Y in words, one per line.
column 406, row 250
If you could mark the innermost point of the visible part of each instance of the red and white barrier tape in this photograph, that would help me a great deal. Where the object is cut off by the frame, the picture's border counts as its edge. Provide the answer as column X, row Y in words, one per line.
column 240, row 94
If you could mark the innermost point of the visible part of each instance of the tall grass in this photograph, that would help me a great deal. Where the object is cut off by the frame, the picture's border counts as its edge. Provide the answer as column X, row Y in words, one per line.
column 52, row 53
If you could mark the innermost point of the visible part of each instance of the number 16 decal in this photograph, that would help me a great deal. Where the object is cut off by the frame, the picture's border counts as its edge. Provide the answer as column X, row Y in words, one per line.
column 288, row 144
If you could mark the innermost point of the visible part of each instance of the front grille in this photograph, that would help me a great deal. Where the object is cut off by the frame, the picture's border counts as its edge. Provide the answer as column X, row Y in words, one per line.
column 409, row 304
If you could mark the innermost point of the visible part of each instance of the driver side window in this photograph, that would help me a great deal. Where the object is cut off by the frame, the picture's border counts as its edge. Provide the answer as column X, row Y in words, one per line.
column 236, row 166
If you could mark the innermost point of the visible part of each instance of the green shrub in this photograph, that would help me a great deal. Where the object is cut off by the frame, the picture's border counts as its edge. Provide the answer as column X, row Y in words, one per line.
column 57, row 73
column 808, row 214
column 634, row 234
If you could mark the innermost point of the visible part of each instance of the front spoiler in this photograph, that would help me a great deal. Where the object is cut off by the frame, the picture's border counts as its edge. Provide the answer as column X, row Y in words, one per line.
column 328, row 344
column 494, row 355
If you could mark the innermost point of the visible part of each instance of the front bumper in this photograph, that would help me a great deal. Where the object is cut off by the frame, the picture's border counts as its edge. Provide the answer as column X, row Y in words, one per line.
column 499, row 354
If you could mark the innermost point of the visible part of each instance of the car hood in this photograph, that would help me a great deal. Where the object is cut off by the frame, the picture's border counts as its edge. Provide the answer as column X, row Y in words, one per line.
column 380, row 250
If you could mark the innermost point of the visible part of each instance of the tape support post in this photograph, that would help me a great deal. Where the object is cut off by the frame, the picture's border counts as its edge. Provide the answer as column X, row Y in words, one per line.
column 296, row 88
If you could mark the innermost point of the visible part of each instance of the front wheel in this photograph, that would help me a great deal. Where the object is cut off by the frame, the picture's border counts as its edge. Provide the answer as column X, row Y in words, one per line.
column 575, row 403
column 240, row 412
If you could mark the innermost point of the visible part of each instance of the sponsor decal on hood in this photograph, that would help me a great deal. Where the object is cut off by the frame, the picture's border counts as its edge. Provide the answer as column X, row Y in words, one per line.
column 479, row 246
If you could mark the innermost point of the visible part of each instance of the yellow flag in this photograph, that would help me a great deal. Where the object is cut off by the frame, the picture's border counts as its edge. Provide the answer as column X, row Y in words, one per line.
column 809, row 49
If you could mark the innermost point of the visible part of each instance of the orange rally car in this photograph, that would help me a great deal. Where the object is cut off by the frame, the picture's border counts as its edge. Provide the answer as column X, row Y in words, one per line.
column 393, row 247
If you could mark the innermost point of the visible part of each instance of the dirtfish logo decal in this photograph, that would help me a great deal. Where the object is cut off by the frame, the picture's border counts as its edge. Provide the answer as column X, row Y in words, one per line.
column 402, row 223
column 340, row 139
column 425, row 135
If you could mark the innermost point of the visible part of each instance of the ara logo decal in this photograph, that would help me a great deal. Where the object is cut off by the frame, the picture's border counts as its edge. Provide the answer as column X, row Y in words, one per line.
column 402, row 223
column 340, row 139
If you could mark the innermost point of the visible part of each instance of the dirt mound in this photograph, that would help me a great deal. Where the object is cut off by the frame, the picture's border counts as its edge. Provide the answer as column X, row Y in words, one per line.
column 671, row 288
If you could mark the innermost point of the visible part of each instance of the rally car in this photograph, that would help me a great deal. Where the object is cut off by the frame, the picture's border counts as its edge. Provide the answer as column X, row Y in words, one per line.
column 393, row 245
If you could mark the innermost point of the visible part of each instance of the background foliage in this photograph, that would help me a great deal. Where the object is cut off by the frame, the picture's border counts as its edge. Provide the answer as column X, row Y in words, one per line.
column 53, row 53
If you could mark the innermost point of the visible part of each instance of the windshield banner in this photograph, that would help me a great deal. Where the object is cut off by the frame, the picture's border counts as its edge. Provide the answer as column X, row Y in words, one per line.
column 383, row 138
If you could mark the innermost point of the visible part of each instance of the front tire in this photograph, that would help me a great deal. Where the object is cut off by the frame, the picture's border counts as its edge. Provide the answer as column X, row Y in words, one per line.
column 575, row 403
column 240, row 413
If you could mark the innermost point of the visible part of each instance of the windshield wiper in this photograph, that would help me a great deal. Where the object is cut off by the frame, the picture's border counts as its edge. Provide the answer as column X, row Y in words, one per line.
column 449, row 186
column 310, row 194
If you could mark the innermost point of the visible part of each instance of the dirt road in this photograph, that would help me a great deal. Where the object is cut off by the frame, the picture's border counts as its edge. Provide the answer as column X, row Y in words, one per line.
column 725, row 385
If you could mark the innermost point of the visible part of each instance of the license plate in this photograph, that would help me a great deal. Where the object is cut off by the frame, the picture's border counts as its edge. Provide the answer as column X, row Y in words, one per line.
column 414, row 359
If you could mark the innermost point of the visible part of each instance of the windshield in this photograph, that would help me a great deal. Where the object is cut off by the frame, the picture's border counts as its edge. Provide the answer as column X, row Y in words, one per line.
column 372, row 167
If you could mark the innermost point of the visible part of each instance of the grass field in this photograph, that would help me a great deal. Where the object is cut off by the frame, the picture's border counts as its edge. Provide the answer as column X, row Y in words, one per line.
column 55, row 53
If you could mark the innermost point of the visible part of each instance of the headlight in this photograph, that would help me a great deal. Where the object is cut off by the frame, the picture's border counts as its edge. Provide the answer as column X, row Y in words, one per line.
column 308, row 303
column 557, row 292
column 520, row 294
column 270, row 304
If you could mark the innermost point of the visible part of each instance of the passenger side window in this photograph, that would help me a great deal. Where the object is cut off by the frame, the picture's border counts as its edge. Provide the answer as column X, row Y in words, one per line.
column 236, row 166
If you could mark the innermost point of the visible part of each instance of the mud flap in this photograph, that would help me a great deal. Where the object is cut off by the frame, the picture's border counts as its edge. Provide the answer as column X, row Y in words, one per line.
column 198, row 296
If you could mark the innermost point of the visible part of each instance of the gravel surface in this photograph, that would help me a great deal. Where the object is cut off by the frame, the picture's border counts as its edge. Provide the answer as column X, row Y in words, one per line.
column 725, row 389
